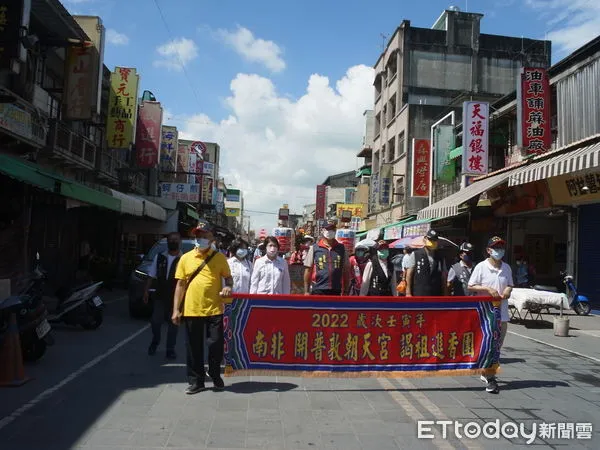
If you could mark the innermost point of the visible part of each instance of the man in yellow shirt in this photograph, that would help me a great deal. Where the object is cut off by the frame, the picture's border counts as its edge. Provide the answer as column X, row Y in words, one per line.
column 199, row 302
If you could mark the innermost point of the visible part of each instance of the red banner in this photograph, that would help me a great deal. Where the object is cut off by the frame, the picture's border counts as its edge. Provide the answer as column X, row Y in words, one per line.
column 388, row 336
column 535, row 111
column 321, row 208
column 148, row 134
column 421, row 157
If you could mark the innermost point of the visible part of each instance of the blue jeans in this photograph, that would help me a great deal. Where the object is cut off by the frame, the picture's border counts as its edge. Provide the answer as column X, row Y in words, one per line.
column 161, row 314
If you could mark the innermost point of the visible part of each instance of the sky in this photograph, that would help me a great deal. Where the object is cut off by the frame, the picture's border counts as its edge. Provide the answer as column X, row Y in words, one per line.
column 282, row 86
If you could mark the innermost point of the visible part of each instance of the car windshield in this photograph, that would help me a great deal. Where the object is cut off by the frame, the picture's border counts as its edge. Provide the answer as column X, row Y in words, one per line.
column 161, row 247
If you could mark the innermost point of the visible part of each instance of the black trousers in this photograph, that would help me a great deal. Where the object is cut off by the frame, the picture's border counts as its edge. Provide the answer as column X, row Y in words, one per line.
column 326, row 292
column 197, row 330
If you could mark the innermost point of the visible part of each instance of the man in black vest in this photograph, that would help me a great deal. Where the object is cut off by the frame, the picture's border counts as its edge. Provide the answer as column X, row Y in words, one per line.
column 163, row 271
column 459, row 273
column 426, row 270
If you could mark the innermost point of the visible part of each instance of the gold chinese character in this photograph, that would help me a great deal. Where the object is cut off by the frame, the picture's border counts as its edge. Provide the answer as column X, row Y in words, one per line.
column 259, row 348
column 406, row 320
column 376, row 321
column 420, row 320
column 334, row 348
column 421, row 346
column 366, row 348
column 406, row 346
column 362, row 320
column 301, row 345
column 351, row 347
column 391, row 322
column 437, row 349
column 452, row 344
column 318, row 346
column 383, row 346
column 468, row 348
column 277, row 345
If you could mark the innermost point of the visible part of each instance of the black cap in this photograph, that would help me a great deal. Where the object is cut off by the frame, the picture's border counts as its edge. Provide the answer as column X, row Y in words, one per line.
column 203, row 226
column 466, row 247
column 432, row 235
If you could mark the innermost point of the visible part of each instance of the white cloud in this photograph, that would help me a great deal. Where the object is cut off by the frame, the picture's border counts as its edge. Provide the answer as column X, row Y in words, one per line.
column 571, row 23
column 115, row 38
column 253, row 49
column 278, row 149
column 176, row 54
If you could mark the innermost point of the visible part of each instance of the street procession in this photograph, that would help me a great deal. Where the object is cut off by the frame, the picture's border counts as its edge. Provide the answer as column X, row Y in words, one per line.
column 219, row 231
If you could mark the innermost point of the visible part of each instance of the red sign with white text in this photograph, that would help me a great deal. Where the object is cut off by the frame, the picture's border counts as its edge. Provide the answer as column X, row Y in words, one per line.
column 148, row 134
column 535, row 111
column 421, row 158
column 321, row 201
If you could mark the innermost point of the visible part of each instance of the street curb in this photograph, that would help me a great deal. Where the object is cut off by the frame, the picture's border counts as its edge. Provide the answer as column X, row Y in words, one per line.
column 556, row 346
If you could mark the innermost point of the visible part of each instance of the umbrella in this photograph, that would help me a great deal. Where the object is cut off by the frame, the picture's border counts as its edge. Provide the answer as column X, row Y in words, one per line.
column 366, row 243
column 402, row 243
column 419, row 242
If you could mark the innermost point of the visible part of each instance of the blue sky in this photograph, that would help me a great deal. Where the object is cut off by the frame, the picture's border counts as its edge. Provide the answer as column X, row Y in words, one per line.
column 282, row 86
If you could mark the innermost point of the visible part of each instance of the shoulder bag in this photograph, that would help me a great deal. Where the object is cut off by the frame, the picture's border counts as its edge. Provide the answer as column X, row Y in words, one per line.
column 191, row 278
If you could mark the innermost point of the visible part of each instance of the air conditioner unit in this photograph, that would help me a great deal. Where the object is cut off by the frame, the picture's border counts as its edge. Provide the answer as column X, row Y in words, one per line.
column 40, row 99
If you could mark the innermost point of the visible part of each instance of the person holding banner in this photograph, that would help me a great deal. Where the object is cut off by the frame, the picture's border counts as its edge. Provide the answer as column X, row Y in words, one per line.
column 494, row 277
column 198, row 301
column 327, row 265
column 425, row 276
column 271, row 274
column 460, row 273
column 358, row 263
column 241, row 268
column 379, row 277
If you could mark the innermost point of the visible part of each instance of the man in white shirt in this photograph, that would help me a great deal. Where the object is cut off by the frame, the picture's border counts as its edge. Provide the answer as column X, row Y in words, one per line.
column 163, row 270
column 493, row 277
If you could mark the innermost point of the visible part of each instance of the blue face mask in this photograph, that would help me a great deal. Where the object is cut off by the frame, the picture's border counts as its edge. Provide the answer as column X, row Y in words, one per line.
column 241, row 253
column 202, row 243
column 467, row 258
column 497, row 254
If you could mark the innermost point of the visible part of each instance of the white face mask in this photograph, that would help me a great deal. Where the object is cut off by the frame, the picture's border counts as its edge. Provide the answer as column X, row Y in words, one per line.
column 329, row 234
column 202, row 243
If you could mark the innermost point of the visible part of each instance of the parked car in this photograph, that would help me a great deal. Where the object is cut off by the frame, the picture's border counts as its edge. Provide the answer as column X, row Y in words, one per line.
column 137, row 280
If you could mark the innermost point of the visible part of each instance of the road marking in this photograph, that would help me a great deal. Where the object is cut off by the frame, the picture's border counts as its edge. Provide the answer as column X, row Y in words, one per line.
column 556, row 346
column 48, row 392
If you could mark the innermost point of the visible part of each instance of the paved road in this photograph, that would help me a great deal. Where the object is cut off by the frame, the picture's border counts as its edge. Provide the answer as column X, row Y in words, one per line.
column 99, row 390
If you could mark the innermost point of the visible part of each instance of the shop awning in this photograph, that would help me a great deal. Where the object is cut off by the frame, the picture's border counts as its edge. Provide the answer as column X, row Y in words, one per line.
column 45, row 179
column 587, row 157
column 455, row 153
column 129, row 204
column 193, row 214
column 154, row 211
column 448, row 207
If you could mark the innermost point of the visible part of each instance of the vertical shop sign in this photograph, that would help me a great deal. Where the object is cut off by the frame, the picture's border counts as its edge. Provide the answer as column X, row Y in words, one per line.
column 385, row 184
column 79, row 71
column 533, row 115
column 148, row 134
column 421, row 159
column 321, row 202
column 444, row 143
column 374, row 193
column 168, row 149
column 475, row 137
column 122, row 108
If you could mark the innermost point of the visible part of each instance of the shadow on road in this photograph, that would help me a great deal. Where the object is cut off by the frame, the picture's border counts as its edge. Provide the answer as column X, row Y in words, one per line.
column 253, row 387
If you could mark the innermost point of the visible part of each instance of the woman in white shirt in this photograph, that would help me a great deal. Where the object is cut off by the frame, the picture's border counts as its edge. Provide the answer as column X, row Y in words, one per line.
column 241, row 268
column 270, row 274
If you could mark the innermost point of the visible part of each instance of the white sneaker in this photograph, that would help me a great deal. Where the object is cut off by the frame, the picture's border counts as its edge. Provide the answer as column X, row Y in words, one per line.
column 484, row 379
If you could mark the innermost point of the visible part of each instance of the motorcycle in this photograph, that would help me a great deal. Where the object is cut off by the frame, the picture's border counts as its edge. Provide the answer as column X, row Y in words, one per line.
column 79, row 306
column 578, row 302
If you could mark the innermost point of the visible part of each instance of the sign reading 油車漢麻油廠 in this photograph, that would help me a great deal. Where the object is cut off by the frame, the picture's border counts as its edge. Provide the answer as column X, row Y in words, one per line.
column 361, row 336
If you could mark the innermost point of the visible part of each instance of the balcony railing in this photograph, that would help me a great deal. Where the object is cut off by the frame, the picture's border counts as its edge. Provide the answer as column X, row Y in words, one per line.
column 109, row 165
column 71, row 146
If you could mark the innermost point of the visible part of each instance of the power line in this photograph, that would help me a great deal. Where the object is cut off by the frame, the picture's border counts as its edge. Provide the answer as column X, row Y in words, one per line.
column 164, row 20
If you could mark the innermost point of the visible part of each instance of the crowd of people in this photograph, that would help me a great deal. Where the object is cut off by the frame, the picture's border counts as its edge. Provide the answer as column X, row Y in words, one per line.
column 191, row 286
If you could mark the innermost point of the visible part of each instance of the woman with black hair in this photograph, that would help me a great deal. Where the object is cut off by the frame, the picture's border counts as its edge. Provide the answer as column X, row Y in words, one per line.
column 241, row 268
column 271, row 273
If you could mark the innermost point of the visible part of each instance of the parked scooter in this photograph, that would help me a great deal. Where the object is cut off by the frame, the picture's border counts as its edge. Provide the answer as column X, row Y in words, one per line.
column 79, row 306
column 32, row 317
column 578, row 302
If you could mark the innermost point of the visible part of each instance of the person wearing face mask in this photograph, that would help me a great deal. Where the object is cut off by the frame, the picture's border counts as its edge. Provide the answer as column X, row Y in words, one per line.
column 460, row 273
column 241, row 268
column 271, row 274
column 426, row 270
column 203, row 281
column 493, row 277
column 358, row 263
column 327, row 266
column 379, row 277
column 162, row 272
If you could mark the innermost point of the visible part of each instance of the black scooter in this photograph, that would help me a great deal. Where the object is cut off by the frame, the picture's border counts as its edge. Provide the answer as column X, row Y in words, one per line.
column 79, row 306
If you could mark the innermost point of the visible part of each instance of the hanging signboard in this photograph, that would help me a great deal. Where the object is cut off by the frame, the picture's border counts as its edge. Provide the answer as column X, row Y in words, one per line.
column 475, row 137
column 321, row 202
column 122, row 108
column 148, row 134
column 181, row 192
column 533, row 111
column 421, row 158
